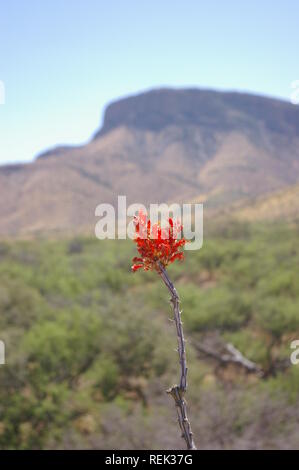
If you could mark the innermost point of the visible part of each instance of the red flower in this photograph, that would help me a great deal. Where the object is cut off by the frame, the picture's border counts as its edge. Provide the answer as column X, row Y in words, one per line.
column 155, row 244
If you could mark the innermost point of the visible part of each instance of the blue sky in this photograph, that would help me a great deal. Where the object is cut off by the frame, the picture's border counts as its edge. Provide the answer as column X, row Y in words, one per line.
column 62, row 61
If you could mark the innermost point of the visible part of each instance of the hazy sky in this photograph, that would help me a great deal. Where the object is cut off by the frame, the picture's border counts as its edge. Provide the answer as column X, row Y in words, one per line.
column 62, row 61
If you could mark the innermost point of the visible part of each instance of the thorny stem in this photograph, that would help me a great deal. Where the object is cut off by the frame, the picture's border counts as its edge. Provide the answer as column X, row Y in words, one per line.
column 178, row 391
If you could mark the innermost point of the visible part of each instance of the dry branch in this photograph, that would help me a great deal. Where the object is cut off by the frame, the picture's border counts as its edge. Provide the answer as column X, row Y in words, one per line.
column 178, row 391
column 230, row 355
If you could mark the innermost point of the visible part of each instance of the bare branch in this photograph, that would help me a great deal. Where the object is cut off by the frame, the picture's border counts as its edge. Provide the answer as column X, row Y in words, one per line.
column 238, row 358
column 230, row 355
column 177, row 392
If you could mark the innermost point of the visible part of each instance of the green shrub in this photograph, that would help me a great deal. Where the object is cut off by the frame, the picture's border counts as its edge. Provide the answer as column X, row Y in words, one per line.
column 214, row 308
column 278, row 315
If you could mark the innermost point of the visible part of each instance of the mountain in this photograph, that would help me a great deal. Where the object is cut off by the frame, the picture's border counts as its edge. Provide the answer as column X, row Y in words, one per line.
column 158, row 146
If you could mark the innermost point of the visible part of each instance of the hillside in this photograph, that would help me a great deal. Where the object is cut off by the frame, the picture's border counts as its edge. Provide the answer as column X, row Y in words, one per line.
column 159, row 146
column 280, row 205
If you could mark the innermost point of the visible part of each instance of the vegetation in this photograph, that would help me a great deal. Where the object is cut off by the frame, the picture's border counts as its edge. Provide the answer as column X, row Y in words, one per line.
column 89, row 346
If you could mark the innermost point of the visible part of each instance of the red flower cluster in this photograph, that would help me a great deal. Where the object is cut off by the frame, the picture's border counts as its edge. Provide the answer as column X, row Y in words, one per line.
column 156, row 244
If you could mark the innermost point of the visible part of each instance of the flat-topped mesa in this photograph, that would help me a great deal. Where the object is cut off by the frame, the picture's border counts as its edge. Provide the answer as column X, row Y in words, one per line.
column 156, row 109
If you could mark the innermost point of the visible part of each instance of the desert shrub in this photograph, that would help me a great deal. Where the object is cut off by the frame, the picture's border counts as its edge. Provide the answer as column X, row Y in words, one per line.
column 132, row 332
column 19, row 303
column 212, row 256
column 27, row 418
column 277, row 315
column 286, row 383
column 243, row 273
column 104, row 375
column 63, row 348
column 280, row 283
column 215, row 308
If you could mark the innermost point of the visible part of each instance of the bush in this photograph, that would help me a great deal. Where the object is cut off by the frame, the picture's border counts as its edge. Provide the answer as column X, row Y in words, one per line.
column 63, row 348
column 278, row 315
column 214, row 308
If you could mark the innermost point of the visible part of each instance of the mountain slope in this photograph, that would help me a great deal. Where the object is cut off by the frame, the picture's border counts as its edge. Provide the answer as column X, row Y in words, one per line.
column 280, row 205
column 159, row 146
